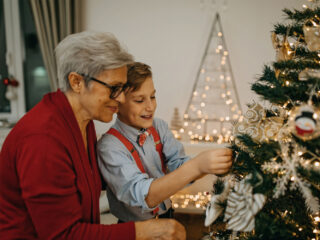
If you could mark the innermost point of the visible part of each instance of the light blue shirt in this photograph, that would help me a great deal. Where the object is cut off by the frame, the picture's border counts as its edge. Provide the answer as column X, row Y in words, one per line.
column 127, row 186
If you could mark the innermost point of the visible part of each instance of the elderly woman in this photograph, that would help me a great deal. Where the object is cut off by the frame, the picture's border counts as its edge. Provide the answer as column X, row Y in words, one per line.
column 49, row 180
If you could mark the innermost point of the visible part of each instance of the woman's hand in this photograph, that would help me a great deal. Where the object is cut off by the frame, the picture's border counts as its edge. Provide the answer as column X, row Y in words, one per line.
column 215, row 161
column 160, row 229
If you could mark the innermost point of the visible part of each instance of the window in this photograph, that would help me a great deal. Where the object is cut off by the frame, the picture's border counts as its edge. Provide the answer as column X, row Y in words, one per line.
column 21, row 55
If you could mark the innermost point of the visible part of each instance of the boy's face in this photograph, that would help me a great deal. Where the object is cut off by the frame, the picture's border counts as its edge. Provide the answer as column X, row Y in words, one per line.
column 139, row 107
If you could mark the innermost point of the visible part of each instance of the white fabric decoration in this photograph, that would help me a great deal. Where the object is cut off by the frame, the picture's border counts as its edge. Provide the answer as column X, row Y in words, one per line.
column 242, row 206
column 213, row 208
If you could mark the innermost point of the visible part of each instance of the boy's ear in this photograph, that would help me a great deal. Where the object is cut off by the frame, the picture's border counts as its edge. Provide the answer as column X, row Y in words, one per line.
column 76, row 81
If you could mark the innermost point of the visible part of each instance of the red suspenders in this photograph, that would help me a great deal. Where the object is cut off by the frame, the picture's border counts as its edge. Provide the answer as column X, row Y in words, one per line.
column 135, row 154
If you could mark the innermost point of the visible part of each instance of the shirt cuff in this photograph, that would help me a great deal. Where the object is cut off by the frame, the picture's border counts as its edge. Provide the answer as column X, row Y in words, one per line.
column 145, row 191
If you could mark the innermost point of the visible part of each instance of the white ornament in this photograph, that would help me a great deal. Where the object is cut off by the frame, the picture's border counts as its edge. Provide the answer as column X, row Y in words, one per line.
column 214, row 210
column 289, row 177
column 304, row 122
column 10, row 93
column 242, row 206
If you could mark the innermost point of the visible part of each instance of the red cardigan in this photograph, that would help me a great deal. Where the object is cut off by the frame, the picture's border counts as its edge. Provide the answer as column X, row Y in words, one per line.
column 49, row 187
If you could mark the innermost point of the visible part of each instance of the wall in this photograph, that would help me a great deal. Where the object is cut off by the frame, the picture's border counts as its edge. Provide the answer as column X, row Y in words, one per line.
column 170, row 35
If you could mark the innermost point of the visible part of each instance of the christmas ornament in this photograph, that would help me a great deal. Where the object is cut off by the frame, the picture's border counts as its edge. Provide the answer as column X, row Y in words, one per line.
column 309, row 73
column 10, row 82
column 289, row 178
column 283, row 49
column 304, row 122
column 257, row 126
column 214, row 210
column 312, row 36
column 242, row 206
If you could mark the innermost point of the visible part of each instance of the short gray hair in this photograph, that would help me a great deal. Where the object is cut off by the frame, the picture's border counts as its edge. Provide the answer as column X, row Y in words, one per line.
column 89, row 53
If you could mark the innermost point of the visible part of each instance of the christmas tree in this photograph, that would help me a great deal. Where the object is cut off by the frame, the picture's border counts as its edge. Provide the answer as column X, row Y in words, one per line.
column 274, row 188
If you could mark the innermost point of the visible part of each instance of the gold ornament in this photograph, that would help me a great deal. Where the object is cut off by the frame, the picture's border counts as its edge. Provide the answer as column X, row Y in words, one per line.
column 312, row 36
column 283, row 49
column 257, row 126
column 309, row 73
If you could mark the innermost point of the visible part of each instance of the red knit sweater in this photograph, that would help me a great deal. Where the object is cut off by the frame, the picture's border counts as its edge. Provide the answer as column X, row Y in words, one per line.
column 49, row 187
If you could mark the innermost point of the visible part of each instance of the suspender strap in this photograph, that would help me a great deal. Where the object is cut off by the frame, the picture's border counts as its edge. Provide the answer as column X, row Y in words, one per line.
column 158, row 144
column 129, row 146
column 134, row 153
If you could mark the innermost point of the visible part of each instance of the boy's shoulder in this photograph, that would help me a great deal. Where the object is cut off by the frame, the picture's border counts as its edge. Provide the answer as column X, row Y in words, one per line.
column 160, row 124
column 108, row 141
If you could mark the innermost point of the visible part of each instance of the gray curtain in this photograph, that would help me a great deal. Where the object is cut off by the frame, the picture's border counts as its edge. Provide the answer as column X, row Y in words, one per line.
column 54, row 20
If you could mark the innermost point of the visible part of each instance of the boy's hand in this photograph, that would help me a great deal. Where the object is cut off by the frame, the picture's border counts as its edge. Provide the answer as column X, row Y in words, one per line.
column 160, row 229
column 215, row 161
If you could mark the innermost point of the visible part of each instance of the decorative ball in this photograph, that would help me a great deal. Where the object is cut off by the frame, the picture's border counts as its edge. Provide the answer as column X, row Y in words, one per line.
column 304, row 122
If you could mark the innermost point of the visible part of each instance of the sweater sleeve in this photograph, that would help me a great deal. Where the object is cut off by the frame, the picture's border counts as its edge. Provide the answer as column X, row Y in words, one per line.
column 48, row 187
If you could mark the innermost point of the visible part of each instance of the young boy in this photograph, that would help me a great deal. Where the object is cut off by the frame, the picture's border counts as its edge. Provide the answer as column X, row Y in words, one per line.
column 141, row 161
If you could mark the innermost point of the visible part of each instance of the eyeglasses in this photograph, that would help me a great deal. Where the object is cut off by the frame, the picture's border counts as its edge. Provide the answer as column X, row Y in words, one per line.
column 115, row 90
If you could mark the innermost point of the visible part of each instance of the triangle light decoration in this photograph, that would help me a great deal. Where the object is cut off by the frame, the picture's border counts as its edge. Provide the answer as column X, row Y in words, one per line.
column 214, row 103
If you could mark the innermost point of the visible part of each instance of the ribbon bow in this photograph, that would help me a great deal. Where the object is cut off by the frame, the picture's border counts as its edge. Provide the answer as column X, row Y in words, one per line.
column 143, row 136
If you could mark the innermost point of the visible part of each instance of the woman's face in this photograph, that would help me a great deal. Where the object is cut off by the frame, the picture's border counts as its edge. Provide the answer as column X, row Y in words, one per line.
column 139, row 107
column 95, row 98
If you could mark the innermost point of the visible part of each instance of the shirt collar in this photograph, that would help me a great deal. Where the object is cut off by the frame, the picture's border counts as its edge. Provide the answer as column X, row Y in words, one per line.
column 128, row 131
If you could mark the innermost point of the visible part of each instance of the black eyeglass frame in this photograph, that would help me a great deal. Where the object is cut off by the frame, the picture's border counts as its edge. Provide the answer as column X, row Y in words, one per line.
column 115, row 91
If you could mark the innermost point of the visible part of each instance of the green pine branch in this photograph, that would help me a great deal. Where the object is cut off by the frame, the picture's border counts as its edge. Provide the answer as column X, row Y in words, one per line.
column 301, row 16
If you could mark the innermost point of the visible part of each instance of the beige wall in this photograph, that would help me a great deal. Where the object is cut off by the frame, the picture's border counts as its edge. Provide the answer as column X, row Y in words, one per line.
column 171, row 35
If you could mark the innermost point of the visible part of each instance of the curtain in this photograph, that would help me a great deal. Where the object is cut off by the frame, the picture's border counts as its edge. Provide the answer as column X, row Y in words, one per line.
column 54, row 20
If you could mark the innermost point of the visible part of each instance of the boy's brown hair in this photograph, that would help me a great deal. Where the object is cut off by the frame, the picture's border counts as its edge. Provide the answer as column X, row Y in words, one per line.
column 137, row 73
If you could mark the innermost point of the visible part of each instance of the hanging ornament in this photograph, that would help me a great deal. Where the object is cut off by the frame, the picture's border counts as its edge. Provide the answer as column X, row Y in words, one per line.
column 257, row 125
column 242, row 206
column 309, row 73
column 214, row 210
column 312, row 36
column 283, row 49
column 11, row 84
column 304, row 122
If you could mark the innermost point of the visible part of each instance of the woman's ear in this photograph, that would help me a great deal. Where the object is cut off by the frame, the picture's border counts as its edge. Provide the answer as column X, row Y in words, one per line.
column 76, row 81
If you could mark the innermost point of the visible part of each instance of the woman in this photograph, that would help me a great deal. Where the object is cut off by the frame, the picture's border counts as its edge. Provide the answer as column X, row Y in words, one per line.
column 49, row 181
